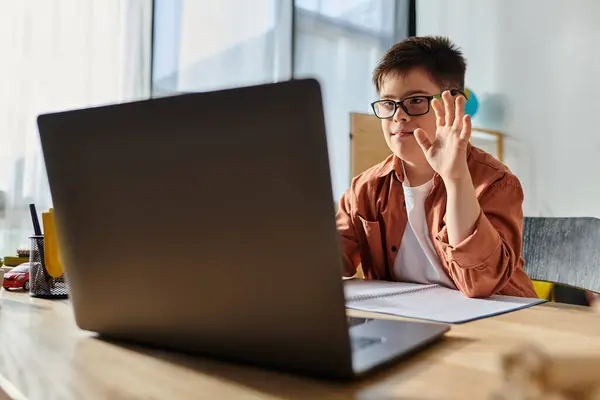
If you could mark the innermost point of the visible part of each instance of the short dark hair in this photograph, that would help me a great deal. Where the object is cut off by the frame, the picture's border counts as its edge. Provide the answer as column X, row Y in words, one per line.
column 436, row 54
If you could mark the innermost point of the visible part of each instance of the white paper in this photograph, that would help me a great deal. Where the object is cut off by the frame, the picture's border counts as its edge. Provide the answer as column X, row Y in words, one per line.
column 433, row 303
column 355, row 288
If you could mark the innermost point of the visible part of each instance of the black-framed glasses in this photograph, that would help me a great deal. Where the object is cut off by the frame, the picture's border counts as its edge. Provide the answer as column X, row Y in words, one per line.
column 413, row 105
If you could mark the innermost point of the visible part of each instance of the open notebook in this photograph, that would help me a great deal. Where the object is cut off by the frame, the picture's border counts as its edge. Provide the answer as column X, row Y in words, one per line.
column 427, row 302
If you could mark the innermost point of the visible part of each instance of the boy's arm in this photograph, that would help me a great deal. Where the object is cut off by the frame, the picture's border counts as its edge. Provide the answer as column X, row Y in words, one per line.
column 483, row 245
column 462, row 209
column 348, row 240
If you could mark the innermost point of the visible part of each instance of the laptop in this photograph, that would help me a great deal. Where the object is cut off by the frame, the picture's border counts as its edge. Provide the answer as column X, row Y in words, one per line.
column 205, row 223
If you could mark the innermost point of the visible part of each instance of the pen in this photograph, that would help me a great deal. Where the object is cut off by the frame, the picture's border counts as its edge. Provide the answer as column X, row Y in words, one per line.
column 38, row 232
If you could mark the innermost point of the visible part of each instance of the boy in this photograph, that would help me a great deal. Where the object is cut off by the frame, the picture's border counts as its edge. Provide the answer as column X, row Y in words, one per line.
column 438, row 210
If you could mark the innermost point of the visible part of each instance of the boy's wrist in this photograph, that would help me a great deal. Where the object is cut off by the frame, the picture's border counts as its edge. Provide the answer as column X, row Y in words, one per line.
column 458, row 181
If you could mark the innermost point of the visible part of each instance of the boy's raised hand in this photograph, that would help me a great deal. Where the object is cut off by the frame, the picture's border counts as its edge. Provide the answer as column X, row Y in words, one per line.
column 447, row 152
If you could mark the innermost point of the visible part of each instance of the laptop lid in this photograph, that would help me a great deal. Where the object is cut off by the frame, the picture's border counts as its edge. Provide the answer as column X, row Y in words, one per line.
column 204, row 222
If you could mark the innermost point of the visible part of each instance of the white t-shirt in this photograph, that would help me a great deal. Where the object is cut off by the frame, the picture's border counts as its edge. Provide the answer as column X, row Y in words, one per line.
column 417, row 260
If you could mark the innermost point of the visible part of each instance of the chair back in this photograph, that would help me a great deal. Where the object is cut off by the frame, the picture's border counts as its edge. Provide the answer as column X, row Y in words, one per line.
column 563, row 250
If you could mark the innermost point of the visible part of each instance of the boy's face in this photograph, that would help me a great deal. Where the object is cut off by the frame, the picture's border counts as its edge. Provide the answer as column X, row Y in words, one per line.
column 398, row 129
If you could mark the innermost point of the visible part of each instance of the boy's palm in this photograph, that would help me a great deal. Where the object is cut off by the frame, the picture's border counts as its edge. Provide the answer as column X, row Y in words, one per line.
column 447, row 153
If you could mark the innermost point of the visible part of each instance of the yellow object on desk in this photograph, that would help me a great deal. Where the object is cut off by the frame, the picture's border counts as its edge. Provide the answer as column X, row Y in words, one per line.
column 51, row 254
column 543, row 289
column 12, row 261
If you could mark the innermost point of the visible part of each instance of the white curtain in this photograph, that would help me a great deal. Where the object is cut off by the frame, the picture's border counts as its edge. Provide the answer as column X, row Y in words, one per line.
column 57, row 55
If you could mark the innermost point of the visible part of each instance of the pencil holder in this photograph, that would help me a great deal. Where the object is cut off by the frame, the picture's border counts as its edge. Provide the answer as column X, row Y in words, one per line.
column 41, row 284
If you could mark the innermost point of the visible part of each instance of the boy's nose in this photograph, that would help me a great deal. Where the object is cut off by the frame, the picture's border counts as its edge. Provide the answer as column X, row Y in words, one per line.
column 400, row 115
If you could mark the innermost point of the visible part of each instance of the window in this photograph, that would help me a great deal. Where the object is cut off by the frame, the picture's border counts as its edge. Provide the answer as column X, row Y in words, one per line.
column 64, row 54
column 339, row 43
column 21, row 268
column 59, row 55
column 201, row 45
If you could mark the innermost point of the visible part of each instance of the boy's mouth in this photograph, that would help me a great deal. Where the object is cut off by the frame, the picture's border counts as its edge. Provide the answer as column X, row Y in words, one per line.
column 402, row 132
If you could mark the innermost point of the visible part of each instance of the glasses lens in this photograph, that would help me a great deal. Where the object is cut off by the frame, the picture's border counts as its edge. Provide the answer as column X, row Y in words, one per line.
column 384, row 108
column 417, row 105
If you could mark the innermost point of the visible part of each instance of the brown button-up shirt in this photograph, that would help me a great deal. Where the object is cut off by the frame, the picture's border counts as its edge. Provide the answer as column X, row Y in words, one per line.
column 372, row 217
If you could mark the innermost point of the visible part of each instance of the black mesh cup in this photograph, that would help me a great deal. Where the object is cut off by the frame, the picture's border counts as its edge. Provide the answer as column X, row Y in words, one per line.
column 41, row 284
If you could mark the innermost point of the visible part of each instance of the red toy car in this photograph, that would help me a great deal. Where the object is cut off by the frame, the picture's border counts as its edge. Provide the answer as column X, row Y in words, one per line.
column 17, row 278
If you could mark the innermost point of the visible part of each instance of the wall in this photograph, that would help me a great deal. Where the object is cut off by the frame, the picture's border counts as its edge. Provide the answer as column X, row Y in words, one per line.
column 537, row 61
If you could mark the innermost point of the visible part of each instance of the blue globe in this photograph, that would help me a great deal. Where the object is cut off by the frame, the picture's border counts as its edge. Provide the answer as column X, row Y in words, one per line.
column 472, row 103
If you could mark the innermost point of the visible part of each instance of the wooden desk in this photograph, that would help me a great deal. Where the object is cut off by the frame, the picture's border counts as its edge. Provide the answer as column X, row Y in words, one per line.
column 45, row 356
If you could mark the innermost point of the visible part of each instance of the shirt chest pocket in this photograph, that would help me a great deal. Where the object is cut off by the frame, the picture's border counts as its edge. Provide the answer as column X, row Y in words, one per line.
column 372, row 248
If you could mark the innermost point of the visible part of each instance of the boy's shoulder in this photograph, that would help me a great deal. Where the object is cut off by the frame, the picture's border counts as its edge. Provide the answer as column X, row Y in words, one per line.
column 373, row 175
column 487, row 170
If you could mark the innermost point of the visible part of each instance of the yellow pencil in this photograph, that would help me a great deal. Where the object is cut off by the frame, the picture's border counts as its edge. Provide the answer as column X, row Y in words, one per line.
column 51, row 253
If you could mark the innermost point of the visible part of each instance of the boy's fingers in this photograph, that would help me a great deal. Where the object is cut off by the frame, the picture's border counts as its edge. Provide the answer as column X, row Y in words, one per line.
column 459, row 114
column 423, row 139
column 449, row 105
column 439, row 113
column 466, row 128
